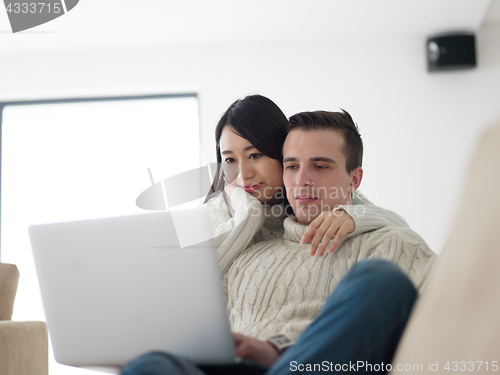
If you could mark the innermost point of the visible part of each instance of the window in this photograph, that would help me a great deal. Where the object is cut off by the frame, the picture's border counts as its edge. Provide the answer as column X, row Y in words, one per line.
column 79, row 159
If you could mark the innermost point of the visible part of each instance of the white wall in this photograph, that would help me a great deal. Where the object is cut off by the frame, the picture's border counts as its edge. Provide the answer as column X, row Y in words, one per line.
column 418, row 128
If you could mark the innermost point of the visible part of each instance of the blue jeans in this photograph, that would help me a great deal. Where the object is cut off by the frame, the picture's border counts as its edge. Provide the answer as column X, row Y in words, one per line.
column 357, row 330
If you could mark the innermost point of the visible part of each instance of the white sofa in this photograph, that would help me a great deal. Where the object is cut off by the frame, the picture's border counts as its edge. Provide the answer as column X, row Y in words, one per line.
column 455, row 325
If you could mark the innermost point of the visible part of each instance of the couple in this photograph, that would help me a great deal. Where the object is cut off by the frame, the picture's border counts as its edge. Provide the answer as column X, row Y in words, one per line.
column 297, row 300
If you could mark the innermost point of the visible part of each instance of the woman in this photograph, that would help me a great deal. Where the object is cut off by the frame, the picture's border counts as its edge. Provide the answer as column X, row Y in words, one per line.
column 247, row 198
column 243, row 215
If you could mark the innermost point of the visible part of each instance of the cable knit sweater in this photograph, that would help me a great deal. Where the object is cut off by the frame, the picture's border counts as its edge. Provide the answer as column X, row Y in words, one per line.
column 275, row 287
column 240, row 220
column 271, row 283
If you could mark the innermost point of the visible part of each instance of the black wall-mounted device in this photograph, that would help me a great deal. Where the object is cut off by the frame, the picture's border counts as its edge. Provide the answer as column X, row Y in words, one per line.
column 451, row 52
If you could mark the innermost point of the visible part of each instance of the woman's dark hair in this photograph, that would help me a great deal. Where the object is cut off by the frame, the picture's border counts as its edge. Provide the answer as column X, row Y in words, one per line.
column 257, row 119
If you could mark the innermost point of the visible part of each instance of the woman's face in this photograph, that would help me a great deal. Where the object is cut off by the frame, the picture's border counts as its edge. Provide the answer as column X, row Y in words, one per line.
column 258, row 174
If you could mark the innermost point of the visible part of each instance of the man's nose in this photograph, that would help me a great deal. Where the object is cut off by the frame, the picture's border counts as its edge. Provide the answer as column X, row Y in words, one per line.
column 304, row 178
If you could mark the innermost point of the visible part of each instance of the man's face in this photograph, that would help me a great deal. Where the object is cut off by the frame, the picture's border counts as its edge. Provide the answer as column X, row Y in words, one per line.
column 315, row 175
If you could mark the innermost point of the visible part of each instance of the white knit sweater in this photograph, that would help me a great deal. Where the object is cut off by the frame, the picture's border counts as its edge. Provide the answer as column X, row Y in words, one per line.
column 275, row 287
column 272, row 284
column 240, row 220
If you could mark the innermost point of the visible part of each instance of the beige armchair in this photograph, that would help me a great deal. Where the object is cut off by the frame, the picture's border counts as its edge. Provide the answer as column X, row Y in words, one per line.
column 23, row 345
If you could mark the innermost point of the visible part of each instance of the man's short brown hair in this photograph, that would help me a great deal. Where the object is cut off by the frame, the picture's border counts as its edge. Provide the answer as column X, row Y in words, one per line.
column 341, row 122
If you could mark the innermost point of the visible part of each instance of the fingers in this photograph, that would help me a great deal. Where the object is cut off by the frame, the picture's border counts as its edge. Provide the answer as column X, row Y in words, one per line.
column 332, row 232
column 238, row 338
column 329, row 225
column 338, row 237
column 311, row 230
column 242, row 345
column 244, row 350
column 254, row 349
column 323, row 236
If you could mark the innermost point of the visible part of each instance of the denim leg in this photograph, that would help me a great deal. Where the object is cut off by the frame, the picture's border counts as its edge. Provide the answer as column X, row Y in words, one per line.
column 359, row 326
column 160, row 363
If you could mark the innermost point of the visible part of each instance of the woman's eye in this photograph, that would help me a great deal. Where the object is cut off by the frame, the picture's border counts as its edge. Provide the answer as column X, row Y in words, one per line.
column 255, row 156
column 229, row 160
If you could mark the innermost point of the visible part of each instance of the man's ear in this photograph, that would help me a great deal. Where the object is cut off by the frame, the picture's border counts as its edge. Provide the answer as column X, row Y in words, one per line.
column 356, row 177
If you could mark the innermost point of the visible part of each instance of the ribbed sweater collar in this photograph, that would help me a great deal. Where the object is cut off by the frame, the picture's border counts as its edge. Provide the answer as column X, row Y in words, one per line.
column 293, row 230
column 274, row 215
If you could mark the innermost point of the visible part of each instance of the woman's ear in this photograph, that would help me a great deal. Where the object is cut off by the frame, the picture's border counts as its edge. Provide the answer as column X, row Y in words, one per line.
column 356, row 177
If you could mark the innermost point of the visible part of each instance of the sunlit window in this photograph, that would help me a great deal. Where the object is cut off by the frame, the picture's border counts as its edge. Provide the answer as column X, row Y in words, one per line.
column 80, row 159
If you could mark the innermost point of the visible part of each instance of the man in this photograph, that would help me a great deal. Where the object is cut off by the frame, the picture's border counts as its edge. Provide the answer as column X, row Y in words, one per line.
column 322, row 168
column 277, row 291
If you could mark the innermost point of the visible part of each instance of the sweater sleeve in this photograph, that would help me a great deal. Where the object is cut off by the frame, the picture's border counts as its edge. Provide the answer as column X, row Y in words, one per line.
column 358, row 198
column 235, row 222
column 399, row 245
column 403, row 247
column 368, row 217
column 293, row 330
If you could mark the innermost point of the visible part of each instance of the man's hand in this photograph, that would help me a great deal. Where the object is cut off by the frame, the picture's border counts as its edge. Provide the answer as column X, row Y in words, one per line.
column 322, row 229
column 255, row 350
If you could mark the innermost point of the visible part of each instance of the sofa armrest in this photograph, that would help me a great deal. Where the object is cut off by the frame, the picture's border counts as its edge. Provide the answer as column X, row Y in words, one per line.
column 23, row 348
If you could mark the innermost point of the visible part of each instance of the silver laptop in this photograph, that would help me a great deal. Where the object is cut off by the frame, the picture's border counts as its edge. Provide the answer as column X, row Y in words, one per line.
column 115, row 288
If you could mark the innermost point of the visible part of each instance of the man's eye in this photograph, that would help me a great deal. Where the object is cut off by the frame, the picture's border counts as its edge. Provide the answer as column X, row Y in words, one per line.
column 255, row 156
column 321, row 167
column 290, row 167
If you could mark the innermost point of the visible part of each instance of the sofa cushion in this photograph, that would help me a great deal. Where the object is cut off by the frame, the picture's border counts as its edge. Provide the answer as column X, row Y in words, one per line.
column 455, row 323
column 9, row 277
